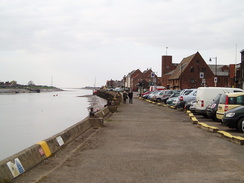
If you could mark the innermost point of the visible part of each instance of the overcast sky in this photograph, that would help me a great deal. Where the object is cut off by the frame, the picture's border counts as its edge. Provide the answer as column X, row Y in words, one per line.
column 77, row 42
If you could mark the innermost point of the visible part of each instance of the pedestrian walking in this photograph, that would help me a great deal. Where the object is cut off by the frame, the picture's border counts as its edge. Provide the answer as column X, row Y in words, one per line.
column 130, row 94
column 125, row 96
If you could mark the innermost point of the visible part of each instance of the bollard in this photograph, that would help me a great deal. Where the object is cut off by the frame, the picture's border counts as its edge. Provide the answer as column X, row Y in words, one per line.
column 91, row 113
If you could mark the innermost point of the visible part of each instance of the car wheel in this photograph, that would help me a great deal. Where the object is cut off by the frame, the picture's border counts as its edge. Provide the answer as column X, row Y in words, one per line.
column 214, row 117
column 158, row 100
column 239, row 124
column 205, row 115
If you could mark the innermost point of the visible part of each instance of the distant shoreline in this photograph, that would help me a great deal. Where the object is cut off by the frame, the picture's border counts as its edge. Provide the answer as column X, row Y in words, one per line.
column 22, row 90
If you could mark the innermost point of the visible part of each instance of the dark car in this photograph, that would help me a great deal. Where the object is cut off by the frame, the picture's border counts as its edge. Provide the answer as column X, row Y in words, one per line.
column 234, row 118
column 213, row 107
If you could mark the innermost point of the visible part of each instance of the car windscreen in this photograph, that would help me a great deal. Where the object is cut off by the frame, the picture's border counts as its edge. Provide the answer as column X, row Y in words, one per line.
column 188, row 92
column 222, row 99
column 217, row 97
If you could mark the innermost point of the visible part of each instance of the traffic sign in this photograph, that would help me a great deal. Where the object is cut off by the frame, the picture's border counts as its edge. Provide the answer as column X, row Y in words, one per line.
column 201, row 75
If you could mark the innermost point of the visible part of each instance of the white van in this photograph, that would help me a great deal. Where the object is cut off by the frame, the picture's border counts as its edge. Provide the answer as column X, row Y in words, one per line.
column 153, row 88
column 205, row 96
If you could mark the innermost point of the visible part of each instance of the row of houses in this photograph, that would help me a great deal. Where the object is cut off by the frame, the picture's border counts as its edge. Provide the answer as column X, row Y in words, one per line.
column 191, row 72
column 134, row 79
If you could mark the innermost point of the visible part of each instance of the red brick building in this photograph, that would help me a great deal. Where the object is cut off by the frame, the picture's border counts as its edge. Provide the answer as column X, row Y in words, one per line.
column 193, row 72
column 150, row 78
column 167, row 69
column 135, row 77
column 114, row 83
column 225, row 75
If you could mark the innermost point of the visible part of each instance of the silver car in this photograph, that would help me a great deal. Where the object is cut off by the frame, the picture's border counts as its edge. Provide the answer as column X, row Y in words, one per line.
column 164, row 95
column 185, row 96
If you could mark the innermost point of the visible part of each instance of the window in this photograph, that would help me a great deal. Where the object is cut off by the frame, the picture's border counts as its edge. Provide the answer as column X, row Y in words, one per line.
column 197, row 61
column 231, row 100
column 222, row 99
column 203, row 69
column 192, row 80
column 239, row 100
column 192, row 69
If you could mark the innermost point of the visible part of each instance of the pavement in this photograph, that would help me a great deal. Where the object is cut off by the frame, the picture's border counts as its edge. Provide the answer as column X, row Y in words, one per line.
column 143, row 143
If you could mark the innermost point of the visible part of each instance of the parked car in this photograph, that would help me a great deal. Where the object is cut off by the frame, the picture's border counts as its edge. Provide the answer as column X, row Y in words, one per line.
column 169, row 93
column 191, row 105
column 176, row 100
column 234, row 118
column 164, row 95
column 118, row 89
column 145, row 95
column 157, row 96
column 186, row 95
column 229, row 101
column 151, row 95
column 213, row 107
column 153, row 88
column 170, row 100
column 205, row 95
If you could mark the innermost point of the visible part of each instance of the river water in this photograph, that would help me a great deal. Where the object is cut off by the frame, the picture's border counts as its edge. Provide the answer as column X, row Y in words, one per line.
column 27, row 118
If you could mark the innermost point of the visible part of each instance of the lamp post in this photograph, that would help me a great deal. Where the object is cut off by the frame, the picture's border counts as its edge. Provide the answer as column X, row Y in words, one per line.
column 124, row 79
column 215, row 78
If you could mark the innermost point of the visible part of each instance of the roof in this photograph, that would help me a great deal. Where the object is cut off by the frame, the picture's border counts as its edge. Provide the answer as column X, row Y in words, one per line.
column 133, row 72
column 169, row 73
column 220, row 71
column 181, row 67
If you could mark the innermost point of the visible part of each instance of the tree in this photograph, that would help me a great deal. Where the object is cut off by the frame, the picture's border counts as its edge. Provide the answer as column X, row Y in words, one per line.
column 30, row 83
column 13, row 83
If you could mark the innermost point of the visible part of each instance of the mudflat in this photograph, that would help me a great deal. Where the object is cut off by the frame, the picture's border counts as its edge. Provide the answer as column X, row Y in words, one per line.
column 143, row 143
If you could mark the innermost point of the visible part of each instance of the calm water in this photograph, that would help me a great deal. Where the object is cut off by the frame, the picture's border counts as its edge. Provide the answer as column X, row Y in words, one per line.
column 28, row 118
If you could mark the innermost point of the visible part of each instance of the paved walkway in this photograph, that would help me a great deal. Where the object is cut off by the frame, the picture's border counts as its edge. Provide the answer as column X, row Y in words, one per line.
column 144, row 143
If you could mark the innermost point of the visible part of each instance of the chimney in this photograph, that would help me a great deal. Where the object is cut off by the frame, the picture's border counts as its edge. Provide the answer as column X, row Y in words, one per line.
column 166, row 64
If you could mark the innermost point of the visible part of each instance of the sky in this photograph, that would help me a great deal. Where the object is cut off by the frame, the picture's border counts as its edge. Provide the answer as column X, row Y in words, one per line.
column 77, row 43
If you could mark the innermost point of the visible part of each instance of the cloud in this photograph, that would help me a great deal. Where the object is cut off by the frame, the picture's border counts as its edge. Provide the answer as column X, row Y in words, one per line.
column 81, row 40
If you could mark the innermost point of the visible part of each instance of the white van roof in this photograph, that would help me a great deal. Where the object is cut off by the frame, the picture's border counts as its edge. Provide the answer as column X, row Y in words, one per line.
column 217, row 88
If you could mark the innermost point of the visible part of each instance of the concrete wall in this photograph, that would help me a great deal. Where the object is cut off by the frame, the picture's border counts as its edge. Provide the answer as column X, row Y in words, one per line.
column 23, row 161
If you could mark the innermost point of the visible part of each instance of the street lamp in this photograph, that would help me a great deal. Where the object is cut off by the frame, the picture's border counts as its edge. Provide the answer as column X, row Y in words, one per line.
column 215, row 78
column 124, row 79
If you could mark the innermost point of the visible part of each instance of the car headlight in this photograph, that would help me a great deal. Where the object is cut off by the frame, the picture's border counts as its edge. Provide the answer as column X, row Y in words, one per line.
column 230, row 115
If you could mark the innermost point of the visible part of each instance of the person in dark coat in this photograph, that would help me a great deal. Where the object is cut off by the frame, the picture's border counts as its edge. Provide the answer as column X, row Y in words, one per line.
column 125, row 96
column 130, row 95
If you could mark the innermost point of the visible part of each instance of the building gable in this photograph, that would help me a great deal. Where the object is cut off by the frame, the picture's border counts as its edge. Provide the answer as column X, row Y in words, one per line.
column 192, row 72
